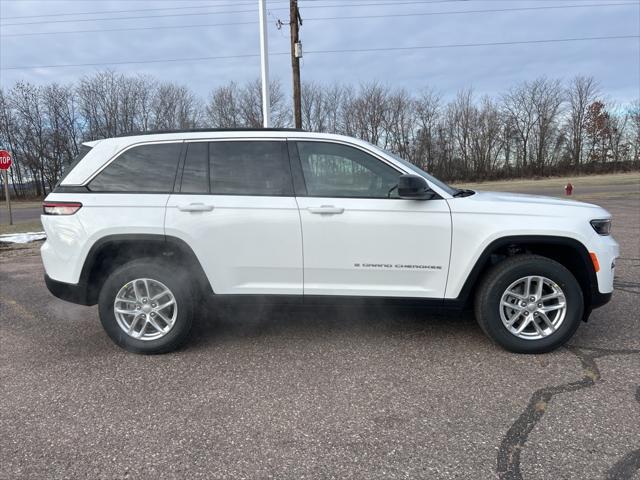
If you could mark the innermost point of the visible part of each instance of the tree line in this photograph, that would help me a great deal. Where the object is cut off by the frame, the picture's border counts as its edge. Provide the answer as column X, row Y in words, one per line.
column 536, row 128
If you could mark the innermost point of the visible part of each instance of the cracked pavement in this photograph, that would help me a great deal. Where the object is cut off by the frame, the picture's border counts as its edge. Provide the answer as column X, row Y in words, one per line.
column 318, row 392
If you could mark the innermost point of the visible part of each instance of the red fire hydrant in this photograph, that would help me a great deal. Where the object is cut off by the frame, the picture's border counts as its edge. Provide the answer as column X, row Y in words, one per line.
column 568, row 188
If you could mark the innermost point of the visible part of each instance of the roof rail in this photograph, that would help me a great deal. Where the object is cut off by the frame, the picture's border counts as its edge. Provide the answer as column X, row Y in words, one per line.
column 200, row 130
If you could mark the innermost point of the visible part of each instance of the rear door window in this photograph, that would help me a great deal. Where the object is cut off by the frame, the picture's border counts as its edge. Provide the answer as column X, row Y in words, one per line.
column 146, row 168
column 250, row 168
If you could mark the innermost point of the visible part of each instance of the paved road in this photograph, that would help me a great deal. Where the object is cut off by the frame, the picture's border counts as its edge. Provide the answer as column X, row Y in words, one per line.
column 328, row 392
column 22, row 214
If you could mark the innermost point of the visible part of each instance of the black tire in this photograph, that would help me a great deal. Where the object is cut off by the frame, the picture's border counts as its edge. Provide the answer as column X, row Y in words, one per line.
column 501, row 276
column 174, row 278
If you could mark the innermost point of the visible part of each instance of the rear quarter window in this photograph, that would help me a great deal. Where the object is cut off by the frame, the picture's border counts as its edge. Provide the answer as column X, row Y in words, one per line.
column 82, row 152
column 145, row 168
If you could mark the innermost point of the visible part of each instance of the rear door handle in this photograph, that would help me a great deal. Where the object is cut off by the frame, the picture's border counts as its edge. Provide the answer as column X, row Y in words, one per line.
column 195, row 207
column 328, row 209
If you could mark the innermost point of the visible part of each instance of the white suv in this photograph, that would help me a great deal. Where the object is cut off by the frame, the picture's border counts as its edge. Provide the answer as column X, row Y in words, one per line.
column 148, row 226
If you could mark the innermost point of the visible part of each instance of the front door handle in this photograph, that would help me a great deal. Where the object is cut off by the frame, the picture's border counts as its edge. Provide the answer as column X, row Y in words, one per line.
column 195, row 207
column 327, row 209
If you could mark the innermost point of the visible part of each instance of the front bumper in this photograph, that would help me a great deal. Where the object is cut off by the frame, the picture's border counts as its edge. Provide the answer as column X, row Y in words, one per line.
column 607, row 250
column 600, row 299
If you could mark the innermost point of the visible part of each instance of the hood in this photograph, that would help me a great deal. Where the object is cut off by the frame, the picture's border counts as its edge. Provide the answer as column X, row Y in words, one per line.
column 524, row 204
column 529, row 199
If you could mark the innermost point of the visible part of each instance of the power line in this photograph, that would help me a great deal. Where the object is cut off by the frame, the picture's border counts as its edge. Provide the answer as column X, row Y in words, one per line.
column 488, row 44
column 414, row 2
column 314, row 52
column 342, row 17
column 127, row 18
column 126, row 29
column 339, row 5
column 107, row 12
column 493, row 10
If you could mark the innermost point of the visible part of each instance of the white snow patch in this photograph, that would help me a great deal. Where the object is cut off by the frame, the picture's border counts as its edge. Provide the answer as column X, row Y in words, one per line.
column 22, row 237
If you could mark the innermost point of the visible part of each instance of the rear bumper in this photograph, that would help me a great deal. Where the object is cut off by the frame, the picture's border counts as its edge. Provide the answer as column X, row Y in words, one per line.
column 70, row 292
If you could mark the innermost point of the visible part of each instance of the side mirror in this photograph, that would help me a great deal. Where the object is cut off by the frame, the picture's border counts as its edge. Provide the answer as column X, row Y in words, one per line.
column 414, row 187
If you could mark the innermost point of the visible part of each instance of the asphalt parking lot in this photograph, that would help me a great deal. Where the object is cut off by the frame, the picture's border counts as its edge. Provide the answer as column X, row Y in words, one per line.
column 319, row 392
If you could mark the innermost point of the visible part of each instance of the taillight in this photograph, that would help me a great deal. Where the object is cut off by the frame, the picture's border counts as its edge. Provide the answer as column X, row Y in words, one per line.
column 60, row 208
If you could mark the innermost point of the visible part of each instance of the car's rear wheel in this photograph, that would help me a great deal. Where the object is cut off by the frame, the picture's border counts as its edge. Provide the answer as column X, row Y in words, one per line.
column 529, row 304
column 146, row 307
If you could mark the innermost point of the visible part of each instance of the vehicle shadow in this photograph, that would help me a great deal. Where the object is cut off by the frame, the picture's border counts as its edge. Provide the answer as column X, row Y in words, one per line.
column 222, row 322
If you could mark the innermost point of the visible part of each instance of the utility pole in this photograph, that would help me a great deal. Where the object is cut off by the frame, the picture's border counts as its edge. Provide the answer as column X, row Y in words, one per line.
column 295, row 21
column 264, row 65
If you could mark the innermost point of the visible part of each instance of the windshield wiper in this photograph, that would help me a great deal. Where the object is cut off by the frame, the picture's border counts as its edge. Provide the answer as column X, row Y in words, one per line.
column 391, row 190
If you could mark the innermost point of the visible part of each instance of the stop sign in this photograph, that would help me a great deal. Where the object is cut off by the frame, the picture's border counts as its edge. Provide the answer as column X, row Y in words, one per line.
column 5, row 160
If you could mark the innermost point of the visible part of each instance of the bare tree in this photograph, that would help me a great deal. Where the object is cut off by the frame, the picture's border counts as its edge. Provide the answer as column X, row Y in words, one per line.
column 174, row 107
column 526, row 131
column 400, row 124
column 547, row 98
column 428, row 106
column 364, row 113
column 250, row 104
column 581, row 93
column 223, row 110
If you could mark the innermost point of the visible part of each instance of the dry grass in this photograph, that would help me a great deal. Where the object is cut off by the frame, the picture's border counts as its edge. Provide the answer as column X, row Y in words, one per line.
column 22, row 227
column 17, row 204
column 630, row 178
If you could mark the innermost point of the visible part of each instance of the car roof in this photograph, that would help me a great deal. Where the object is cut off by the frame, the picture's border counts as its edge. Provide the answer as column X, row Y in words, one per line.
column 208, row 130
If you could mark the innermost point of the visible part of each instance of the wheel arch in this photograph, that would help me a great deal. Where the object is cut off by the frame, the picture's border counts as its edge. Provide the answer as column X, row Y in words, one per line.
column 567, row 251
column 112, row 251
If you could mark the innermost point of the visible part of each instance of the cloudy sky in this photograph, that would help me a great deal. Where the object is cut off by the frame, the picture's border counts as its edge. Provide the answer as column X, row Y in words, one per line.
column 44, row 34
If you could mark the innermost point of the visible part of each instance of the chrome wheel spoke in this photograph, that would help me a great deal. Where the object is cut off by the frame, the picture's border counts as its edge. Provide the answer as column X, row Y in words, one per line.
column 525, row 323
column 136, row 291
column 546, row 320
column 517, row 295
column 513, row 318
column 159, row 295
column 140, row 317
column 515, row 306
column 132, row 327
column 552, row 308
column 165, row 305
column 527, row 287
column 164, row 318
column 539, row 331
column 155, row 325
column 552, row 296
column 539, row 287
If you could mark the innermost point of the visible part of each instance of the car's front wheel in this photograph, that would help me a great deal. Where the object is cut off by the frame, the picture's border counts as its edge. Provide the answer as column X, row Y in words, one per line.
column 147, row 307
column 529, row 304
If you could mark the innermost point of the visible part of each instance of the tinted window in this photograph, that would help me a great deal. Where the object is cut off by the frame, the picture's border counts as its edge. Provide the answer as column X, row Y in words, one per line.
column 195, row 175
column 147, row 168
column 334, row 170
column 250, row 168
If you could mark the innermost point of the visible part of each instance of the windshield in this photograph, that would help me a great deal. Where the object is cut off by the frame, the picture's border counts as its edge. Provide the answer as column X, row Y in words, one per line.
column 439, row 183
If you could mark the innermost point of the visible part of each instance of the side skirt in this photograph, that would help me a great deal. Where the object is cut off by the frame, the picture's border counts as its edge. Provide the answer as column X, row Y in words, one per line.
column 340, row 300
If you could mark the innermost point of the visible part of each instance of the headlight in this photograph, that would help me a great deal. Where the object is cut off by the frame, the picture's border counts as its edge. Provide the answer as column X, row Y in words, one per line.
column 602, row 227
